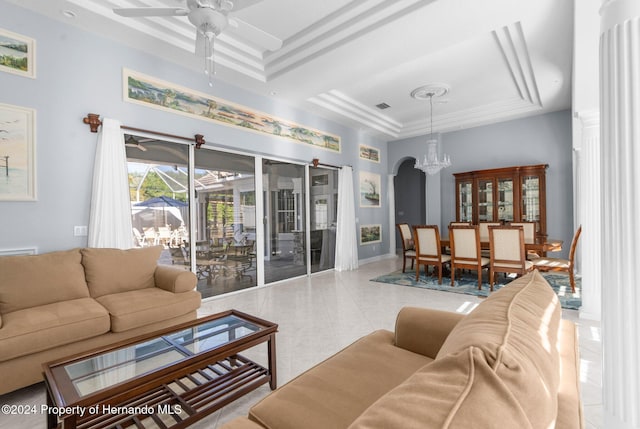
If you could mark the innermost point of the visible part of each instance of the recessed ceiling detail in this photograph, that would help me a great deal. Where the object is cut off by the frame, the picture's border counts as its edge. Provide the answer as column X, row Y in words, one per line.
column 341, row 58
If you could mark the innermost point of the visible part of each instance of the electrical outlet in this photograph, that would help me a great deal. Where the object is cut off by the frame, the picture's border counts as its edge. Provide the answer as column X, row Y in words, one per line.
column 80, row 231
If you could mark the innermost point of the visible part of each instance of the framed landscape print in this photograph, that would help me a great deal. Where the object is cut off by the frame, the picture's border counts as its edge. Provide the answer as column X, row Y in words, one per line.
column 17, row 153
column 370, row 234
column 17, row 54
column 369, row 153
column 148, row 91
column 369, row 186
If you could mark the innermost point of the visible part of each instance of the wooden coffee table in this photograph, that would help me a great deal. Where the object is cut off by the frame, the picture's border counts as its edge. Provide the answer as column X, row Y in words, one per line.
column 169, row 378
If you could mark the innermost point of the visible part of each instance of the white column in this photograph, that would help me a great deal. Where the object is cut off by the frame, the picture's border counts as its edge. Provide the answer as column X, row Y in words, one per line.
column 590, row 214
column 620, row 119
column 391, row 201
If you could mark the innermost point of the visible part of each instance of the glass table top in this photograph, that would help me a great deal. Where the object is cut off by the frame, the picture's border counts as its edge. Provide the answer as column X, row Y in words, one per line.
column 107, row 369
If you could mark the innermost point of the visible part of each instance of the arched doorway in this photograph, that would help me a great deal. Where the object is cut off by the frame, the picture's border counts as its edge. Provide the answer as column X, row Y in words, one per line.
column 409, row 185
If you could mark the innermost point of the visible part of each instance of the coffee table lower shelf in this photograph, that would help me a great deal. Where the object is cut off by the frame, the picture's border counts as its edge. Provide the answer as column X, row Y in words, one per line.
column 184, row 400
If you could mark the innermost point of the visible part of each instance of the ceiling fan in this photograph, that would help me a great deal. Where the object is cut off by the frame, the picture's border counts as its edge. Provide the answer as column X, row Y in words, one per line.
column 132, row 142
column 210, row 17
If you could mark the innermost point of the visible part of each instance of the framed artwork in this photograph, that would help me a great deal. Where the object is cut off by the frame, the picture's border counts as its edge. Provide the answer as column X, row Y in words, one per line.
column 18, row 252
column 17, row 54
column 151, row 92
column 370, row 234
column 369, row 186
column 17, row 153
column 369, row 153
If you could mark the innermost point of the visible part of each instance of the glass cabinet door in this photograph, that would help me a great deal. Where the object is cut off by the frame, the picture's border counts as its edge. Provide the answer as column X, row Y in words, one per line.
column 465, row 201
column 530, row 191
column 505, row 199
column 485, row 200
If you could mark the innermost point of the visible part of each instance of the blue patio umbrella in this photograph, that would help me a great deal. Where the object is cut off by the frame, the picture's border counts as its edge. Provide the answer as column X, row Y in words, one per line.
column 163, row 202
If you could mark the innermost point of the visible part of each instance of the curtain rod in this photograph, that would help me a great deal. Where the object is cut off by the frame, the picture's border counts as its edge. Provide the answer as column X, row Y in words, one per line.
column 93, row 120
column 316, row 162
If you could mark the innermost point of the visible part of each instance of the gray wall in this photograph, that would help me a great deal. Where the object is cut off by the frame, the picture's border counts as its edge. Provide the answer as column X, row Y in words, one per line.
column 542, row 139
column 78, row 73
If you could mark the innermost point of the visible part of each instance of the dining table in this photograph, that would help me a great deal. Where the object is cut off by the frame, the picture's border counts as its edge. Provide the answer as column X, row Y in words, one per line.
column 539, row 245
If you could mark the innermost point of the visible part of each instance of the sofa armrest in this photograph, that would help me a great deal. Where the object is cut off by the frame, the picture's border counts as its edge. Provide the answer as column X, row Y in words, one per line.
column 174, row 280
column 423, row 330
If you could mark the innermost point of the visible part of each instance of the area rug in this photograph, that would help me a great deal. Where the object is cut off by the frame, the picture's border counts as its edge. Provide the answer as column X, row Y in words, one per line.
column 468, row 284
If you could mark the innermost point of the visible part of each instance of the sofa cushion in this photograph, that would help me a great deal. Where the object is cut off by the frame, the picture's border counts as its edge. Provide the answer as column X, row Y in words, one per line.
column 517, row 330
column 34, row 280
column 41, row 328
column 335, row 392
column 113, row 270
column 142, row 307
column 458, row 391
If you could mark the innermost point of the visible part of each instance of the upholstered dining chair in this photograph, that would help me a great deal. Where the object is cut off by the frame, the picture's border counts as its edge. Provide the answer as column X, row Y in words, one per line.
column 465, row 250
column 559, row 264
column 529, row 235
column 483, row 229
column 408, row 247
column 507, row 254
column 428, row 249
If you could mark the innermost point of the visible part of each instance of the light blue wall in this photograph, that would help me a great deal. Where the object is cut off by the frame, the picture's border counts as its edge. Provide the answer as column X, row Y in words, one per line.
column 79, row 73
column 542, row 139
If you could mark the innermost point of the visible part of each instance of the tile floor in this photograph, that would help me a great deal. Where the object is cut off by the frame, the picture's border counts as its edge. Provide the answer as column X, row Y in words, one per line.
column 320, row 315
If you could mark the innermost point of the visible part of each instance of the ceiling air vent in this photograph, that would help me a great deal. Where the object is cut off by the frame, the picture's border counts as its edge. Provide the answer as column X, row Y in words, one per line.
column 382, row 106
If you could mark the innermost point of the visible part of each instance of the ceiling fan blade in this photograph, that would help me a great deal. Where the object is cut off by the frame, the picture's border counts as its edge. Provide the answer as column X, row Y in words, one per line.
column 254, row 34
column 138, row 12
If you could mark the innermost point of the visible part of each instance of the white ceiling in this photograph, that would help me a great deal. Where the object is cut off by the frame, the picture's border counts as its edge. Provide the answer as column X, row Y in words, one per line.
column 503, row 59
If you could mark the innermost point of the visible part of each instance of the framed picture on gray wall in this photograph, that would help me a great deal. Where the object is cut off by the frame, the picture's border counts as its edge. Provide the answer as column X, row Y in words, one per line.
column 17, row 153
column 369, row 188
column 17, row 54
column 370, row 234
column 369, row 153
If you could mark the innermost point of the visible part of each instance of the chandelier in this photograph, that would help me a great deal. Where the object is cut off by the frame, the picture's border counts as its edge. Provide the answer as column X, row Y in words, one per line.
column 431, row 164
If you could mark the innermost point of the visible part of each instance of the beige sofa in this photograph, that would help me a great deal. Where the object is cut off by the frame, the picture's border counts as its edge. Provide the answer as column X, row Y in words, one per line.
column 511, row 363
column 66, row 302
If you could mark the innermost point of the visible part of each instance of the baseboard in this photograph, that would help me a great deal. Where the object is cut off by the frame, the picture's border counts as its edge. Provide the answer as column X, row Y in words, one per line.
column 376, row 258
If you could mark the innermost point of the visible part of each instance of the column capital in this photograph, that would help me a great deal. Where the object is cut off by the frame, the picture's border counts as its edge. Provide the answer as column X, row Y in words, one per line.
column 614, row 12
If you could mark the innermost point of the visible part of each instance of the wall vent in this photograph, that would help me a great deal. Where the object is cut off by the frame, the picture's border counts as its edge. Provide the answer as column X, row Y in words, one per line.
column 382, row 106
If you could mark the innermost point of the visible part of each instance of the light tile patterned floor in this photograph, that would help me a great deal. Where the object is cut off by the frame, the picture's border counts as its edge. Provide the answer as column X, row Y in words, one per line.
column 320, row 315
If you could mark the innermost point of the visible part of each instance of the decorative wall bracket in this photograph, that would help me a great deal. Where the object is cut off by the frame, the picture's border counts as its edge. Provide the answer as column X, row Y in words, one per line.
column 93, row 120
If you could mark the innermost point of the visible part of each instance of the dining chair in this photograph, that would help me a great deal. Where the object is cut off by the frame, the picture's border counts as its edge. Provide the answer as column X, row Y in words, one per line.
column 507, row 253
column 559, row 264
column 483, row 229
column 408, row 247
column 465, row 250
column 529, row 235
column 429, row 250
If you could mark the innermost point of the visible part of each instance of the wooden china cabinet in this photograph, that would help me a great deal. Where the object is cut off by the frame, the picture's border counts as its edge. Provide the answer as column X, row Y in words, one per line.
column 512, row 194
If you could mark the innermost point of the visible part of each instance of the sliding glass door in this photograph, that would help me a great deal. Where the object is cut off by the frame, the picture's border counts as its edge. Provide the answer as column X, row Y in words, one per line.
column 285, row 251
column 323, row 194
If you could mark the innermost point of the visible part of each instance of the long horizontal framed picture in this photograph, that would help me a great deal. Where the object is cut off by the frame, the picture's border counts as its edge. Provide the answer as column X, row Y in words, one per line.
column 17, row 153
column 148, row 91
column 17, row 54
column 370, row 234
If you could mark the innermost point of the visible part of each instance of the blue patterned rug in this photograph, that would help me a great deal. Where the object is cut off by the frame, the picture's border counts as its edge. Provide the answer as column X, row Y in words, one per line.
column 468, row 284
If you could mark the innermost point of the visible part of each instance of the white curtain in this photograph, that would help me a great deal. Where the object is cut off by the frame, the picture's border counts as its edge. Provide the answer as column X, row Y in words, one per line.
column 346, row 237
column 110, row 216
